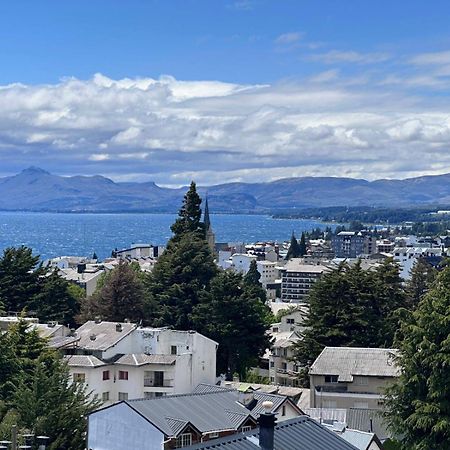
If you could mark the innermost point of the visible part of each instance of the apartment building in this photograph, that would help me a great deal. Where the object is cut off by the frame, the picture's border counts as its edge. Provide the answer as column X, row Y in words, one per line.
column 120, row 361
column 347, row 377
column 297, row 278
column 351, row 244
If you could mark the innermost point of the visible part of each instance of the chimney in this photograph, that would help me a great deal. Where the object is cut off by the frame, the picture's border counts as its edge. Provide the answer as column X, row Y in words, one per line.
column 118, row 327
column 81, row 267
column 267, row 427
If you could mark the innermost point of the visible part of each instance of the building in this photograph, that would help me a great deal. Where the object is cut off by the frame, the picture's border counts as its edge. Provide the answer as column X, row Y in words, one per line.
column 297, row 278
column 210, row 236
column 362, row 440
column 385, row 246
column 408, row 256
column 301, row 433
column 179, row 421
column 85, row 275
column 137, row 251
column 347, row 377
column 351, row 244
column 119, row 361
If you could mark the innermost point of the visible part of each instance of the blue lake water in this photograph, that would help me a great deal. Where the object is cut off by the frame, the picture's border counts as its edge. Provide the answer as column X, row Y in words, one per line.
column 50, row 234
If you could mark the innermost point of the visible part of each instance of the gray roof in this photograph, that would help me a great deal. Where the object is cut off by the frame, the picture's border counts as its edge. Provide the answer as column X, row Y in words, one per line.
column 368, row 420
column 298, row 265
column 360, row 439
column 207, row 411
column 347, row 362
column 105, row 333
column 301, row 433
column 83, row 361
column 141, row 359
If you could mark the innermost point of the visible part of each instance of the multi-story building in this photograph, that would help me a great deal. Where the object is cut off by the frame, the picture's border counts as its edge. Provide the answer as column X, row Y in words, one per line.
column 351, row 244
column 385, row 246
column 120, row 361
column 408, row 256
column 136, row 251
column 297, row 278
column 347, row 377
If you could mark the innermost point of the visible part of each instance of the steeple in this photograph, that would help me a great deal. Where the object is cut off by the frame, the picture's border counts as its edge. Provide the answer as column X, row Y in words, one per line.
column 208, row 228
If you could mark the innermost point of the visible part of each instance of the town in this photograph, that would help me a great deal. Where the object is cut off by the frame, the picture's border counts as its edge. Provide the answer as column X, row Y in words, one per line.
column 203, row 344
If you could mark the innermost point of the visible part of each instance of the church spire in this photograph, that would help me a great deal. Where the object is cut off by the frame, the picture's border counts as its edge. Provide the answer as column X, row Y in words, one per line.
column 206, row 219
column 211, row 239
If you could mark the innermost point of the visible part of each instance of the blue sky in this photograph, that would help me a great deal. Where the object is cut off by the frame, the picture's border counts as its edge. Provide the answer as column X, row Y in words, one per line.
column 227, row 90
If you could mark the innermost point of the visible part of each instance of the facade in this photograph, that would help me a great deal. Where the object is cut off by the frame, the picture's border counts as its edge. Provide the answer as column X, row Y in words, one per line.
column 137, row 251
column 407, row 257
column 180, row 420
column 347, row 377
column 351, row 244
column 120, row 361
column 297, row 278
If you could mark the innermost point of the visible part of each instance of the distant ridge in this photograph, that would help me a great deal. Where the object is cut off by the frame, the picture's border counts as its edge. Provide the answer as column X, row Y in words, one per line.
column 35, row 189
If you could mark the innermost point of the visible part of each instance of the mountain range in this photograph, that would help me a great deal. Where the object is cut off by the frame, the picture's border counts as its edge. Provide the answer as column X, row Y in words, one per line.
column 35, row 189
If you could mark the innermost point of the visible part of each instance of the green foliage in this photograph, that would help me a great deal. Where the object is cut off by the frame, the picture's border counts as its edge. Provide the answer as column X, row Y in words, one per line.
column 302, row 246
column 36, row 393
column 120, row 297
column 251, row 377
column 422, row 276
column 294, row 248
column 351, row 307
column 19, row 278
column 418, row 404
column 231, row 314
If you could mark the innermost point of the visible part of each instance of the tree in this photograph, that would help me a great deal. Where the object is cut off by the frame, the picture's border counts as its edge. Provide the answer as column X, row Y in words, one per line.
column 183, row 272
column 120, row 297
column 57, row 300
column 294, row 248
column 19, row 274
column 231, row 315
column 417, row 405
column 302, row 246
column 422, row 277
column 36, row 393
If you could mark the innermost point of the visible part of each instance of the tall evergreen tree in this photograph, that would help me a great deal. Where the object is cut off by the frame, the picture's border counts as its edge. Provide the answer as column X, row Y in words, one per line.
column 183, row 271
column 19, row 274
column 302, row 246
column 418, row 404
column 238, row 320
column 57, row 300
column 120, row 297
column 294, row 250
column 252, row 285
column 422, row 276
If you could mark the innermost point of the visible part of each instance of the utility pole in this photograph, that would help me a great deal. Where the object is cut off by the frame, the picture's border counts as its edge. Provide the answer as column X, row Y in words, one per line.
column 14, row 437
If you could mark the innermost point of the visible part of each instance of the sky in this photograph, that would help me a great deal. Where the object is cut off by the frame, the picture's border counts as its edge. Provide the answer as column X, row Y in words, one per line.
column 220, row 91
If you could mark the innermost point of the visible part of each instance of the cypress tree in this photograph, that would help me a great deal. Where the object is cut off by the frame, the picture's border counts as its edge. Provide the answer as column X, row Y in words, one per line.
column 422, row 277
column 417, row 405
column 294, row 248
column 302, row 246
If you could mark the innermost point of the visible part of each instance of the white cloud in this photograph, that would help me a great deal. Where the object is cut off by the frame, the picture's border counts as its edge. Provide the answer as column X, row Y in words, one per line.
column 289, row 38
column 431, row 58
column 337, row 56
column 170, row 130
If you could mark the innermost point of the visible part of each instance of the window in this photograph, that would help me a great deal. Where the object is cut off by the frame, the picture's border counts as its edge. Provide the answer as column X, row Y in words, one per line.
column 284, row 366
column 105, row 396
column 246, row 428
column 184, row 440
column 283, row 410
column 79, row 378
column 123, row 375
column 173, row 349
column 290, row 321
column 123, row 396
column 272, row 363
column 159, row 394
column 331, row 378
column 105, row 375
column 362, row 381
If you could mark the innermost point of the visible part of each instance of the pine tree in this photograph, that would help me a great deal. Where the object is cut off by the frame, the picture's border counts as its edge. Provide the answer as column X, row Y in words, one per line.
column 238, row 320
column 418, row 406
column 183, row 271
column 294, row 248
column 57, row 300
column 19, row 274
column 120, row 297
column 422, row 277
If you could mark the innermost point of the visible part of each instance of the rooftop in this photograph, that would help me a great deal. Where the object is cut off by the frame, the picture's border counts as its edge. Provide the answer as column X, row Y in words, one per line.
column 347, row 362
column 141, row 359
column 298, row 265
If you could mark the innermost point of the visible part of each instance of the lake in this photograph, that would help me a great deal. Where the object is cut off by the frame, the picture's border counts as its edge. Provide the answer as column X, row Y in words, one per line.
column 52, row 234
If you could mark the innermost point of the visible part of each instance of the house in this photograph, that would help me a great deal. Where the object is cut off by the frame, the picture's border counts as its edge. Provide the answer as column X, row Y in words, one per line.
column 120, row 361
column 406, row 257
column 297, row 278
column 136, row 251
column 348, row 377
column 177, row 421
column 360, row 439
column 301, row 433
column 84, row 275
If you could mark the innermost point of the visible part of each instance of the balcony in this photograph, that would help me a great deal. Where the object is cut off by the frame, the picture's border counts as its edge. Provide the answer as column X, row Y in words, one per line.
column 152, row 382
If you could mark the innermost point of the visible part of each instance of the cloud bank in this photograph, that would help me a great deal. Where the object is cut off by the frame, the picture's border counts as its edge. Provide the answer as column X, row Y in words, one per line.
column 171, row 131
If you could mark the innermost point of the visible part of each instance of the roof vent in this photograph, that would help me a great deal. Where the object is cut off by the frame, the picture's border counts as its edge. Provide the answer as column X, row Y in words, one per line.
column 119, row 327
column 93, row 337
column 97, row 319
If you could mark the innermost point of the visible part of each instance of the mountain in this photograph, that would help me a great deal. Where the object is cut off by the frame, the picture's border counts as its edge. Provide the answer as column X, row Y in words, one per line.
column 35, row 189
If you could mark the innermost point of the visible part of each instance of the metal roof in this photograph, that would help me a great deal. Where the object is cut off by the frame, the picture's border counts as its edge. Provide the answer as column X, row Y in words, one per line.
column 83, row 361
column 301, row 433
column 141, row 359
column 347, row 362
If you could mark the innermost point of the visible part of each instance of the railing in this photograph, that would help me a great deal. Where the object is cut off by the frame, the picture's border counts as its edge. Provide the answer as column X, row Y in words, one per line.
column 151, row 382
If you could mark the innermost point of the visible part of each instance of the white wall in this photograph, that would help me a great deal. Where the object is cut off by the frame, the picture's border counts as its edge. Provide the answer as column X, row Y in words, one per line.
column 121, row 428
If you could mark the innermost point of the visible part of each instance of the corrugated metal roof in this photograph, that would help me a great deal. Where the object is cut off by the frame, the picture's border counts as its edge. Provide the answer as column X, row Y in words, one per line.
column 347, row 362
column 360, row 439
column 140, row 359
column 83, row 361
column 301, row 433
column 368, row 420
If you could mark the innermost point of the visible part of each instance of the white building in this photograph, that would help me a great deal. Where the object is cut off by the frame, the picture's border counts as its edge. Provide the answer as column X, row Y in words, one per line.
column 136, row 251
column 407, row 257
column 123, row 361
